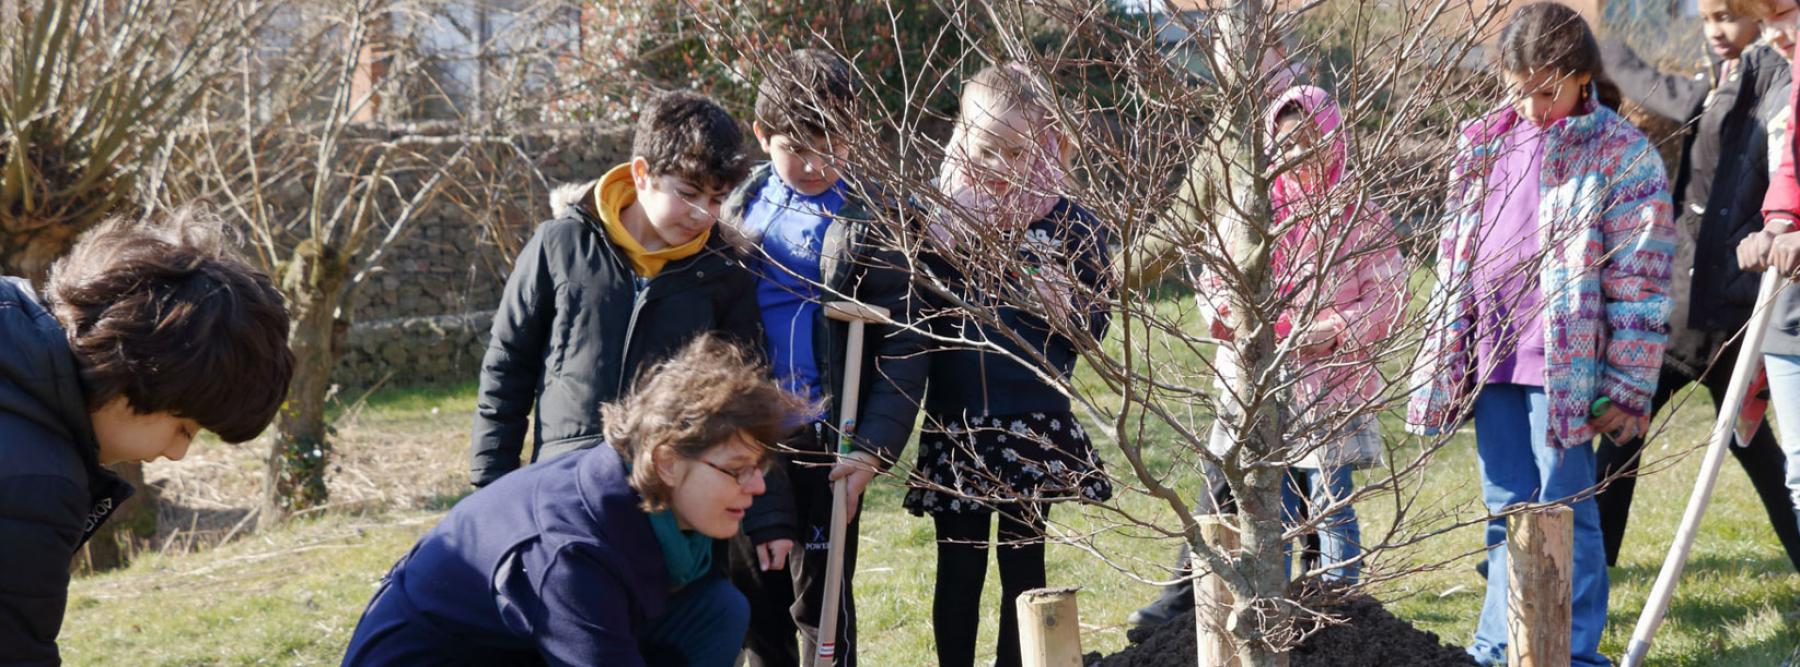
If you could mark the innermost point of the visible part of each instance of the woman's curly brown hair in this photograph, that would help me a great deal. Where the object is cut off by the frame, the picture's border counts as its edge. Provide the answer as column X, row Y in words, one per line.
column 696, row 399
column 162, row 312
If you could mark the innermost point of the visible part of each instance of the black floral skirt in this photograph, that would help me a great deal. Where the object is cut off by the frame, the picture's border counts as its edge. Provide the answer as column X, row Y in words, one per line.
column 970, row 463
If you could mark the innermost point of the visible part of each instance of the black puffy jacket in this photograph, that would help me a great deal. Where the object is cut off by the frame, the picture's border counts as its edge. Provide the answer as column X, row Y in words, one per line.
column 53, row 492
column 1722, row 183
column 575, row 326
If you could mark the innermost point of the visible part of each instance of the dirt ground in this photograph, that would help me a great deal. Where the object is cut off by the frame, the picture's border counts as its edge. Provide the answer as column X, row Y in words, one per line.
column 1368, row 637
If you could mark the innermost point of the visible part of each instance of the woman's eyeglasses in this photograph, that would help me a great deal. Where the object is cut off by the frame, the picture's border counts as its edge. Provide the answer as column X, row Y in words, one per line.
column 745, row 474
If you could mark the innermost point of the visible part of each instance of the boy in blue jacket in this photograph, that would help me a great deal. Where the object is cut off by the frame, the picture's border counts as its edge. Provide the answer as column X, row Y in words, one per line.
column 819, row 236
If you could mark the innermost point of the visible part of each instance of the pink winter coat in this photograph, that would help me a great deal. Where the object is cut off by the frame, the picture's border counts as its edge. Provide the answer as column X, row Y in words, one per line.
column 1343, row 257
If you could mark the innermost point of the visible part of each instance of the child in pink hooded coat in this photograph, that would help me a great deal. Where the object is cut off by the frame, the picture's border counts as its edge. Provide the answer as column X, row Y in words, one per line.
column 1340, row 272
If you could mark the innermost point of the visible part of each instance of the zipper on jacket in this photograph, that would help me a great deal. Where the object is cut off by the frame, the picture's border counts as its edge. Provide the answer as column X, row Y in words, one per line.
column 834, row 364
column 638, row 302
column 637, row 306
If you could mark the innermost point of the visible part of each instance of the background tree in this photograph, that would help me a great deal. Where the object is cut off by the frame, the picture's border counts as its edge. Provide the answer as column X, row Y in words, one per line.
column 321, row 112
column 90, row 93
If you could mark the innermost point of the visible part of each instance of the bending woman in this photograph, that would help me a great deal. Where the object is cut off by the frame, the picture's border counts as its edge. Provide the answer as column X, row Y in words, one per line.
column 601, row 557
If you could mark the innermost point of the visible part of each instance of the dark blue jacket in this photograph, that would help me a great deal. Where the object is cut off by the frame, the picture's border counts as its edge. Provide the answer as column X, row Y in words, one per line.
column 983, row 382
column 553, row 564
column 53, row 492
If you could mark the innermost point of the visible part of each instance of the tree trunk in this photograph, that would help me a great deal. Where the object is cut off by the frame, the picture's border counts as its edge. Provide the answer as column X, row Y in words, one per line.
column 1260, row 580
column 301, row 453
column 29, row 253
column 1258, row 617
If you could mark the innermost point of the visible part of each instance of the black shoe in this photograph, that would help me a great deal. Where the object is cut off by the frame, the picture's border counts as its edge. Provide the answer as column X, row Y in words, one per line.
column 1175, row 600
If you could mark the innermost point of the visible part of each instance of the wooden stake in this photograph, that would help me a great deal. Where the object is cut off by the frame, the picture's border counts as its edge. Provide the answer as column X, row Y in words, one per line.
column 1049, row 628
column 1540, row 566
column 1212, row 602
column 858, row 315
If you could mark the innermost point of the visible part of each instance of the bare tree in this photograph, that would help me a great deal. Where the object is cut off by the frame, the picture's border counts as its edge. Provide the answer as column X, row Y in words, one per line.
column 288, row 148
column 89, row 94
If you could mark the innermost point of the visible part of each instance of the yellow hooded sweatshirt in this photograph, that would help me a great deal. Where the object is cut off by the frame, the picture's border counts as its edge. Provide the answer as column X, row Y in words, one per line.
column 615, row 192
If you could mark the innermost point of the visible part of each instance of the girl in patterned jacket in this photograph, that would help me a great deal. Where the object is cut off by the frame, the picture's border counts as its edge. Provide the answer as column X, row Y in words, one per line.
column 1550, row 310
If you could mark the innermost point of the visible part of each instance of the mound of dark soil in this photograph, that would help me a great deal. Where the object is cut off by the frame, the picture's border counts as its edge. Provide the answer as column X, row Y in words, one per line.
column 1369, row 637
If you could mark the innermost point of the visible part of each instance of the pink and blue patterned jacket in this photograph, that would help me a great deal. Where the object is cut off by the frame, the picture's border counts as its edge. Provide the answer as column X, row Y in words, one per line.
column 1605, row 224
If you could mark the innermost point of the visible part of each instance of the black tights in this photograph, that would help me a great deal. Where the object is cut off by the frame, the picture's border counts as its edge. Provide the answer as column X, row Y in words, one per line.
column 962, row 545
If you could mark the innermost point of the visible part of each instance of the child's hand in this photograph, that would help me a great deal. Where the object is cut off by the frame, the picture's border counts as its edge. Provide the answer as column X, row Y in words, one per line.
column 1319, row 338
column 1753, row 251
column 773, row 554
column 1621, row 425
column 1784, row 253
column 859, row 468
column 1053, row 283
column 1055, row 290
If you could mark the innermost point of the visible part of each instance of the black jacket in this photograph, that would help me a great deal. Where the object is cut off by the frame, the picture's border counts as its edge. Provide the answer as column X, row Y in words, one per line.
column 977, row 381
column 859, row 261
column 1732, row 176
column 53, row 492
column 574, row 329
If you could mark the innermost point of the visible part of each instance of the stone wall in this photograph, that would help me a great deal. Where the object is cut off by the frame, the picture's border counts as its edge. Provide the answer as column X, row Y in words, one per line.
column 423, row 317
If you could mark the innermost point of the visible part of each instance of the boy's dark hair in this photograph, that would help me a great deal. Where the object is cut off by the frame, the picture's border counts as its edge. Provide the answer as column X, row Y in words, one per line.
column 807, row 93
column 161, row 311
column 702, row 396
column 1550, row 37
column 689, row 136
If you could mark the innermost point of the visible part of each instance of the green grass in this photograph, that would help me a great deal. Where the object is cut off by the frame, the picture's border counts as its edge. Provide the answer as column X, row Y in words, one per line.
column 287, row 597
column 292, row 596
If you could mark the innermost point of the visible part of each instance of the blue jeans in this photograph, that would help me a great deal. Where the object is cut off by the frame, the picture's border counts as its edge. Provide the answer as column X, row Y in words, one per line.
column 703, row 626
column 1340, row 537
column 1517, row 465
column 1784, row 396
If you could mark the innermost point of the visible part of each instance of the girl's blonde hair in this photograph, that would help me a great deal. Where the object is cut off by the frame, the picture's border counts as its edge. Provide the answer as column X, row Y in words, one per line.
column 1009, row 87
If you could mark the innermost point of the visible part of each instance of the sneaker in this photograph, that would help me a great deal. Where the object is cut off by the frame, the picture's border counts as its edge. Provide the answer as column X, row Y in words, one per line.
column 1487, row 656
